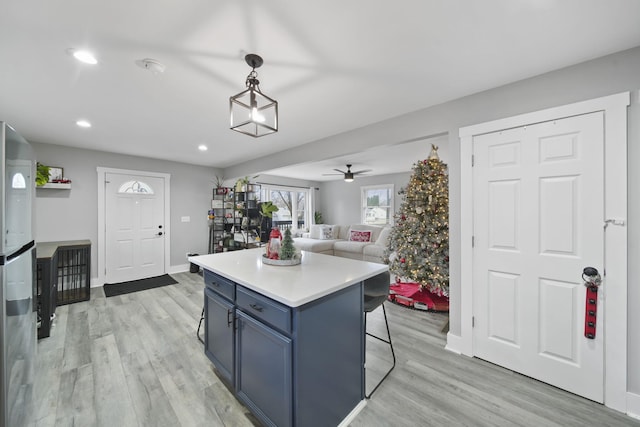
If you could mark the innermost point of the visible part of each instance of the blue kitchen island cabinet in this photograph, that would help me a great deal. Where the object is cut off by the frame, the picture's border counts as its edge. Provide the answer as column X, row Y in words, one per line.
column 289, row 341
column 219, row 334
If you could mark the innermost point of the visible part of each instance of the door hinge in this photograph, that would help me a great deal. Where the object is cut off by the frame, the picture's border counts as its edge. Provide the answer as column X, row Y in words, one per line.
column 473, row 321
column 473, row 241
column 473, row 160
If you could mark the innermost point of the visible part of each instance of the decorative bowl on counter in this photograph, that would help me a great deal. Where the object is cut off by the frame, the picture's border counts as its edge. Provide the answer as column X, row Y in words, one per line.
column 284, row 262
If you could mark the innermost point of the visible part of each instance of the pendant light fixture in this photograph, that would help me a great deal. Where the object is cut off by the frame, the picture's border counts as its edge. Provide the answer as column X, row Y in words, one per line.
column 252, row 112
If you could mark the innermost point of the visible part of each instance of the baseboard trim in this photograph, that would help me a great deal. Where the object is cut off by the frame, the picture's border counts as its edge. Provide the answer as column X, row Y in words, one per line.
column 181, row 268
column 353, row 414
column 633, row 405
column 454, row 343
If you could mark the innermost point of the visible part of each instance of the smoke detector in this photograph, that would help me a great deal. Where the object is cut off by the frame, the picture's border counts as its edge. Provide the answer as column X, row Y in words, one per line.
column 152, row 65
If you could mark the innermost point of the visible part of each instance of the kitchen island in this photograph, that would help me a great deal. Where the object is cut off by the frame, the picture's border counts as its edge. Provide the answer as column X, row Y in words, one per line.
column 288, row 340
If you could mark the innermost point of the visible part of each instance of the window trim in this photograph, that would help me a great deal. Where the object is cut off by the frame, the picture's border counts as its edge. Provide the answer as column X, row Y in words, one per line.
column 266, row 190
column 363, row 201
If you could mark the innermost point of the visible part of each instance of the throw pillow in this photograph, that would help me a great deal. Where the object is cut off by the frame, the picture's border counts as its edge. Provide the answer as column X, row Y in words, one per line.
column 327, row 233
column 359, row 236
column 315, row 231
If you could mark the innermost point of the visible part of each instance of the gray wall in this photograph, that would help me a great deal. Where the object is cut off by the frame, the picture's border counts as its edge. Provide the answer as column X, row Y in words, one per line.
column 600, row 77
column 341, row 200
column 73, row 214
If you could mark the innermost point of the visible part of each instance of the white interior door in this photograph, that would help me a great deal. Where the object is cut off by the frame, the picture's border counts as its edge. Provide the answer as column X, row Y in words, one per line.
column 134, row 227
column 537, row 222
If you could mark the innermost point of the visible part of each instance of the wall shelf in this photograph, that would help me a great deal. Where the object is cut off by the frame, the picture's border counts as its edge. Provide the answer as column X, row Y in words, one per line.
column 56, row 186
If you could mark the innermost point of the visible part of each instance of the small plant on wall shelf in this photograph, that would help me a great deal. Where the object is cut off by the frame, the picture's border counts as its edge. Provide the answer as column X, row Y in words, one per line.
column 42, row 174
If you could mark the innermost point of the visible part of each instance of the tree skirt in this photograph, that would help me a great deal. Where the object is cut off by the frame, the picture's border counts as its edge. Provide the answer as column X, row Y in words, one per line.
column 410, row 295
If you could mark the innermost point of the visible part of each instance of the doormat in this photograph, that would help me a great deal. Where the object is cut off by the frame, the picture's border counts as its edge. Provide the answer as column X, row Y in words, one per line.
column 113, row 289
column 410, row 295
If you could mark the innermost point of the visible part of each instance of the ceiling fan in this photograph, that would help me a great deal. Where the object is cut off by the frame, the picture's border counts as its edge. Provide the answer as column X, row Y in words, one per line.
column 348, row 175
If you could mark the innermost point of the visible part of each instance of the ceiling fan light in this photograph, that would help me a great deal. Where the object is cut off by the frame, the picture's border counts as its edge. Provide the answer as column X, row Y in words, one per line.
column 348, row 177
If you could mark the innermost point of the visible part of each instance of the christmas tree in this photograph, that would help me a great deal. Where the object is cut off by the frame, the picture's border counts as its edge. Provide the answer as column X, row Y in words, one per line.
column 287, row 250
column 418, row 249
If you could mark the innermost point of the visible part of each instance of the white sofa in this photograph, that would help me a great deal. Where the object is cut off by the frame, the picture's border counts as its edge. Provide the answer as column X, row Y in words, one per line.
column 340, row 240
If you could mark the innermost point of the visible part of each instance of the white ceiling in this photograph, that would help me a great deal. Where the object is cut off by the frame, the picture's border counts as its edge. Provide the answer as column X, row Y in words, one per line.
column 333, row 66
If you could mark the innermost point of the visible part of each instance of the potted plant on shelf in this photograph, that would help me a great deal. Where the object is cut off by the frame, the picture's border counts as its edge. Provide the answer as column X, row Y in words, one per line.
column 266, row 213
column 243, row 184
column 42, row 174
column 220, row 188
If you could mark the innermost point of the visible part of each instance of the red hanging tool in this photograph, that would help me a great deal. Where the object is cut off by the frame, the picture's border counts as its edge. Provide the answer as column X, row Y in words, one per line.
column 592, row 281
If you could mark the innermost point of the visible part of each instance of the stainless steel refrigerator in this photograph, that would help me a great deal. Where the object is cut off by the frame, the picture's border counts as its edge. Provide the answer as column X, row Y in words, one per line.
column 17, row 279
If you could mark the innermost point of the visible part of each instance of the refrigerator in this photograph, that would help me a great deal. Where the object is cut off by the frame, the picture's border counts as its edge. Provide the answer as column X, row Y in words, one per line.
column 18, row 330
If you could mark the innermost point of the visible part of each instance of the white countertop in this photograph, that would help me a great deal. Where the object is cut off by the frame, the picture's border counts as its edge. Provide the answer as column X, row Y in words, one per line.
column 318, row 275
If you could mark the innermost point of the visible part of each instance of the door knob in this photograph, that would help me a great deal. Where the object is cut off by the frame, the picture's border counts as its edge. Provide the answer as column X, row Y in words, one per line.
column 160, row 233
column 591, row 277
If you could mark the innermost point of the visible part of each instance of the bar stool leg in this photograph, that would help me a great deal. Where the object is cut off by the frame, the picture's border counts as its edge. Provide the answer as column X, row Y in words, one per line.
column 388, row 341
column 200, row 325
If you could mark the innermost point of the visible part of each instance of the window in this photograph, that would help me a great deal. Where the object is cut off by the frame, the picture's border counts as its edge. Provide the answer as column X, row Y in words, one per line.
column 18, row 181
column 377, row 204
column 293, row 206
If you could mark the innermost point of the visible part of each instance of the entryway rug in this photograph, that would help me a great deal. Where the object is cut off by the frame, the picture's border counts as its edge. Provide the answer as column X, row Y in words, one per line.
column 113, row 289
column 410, row 295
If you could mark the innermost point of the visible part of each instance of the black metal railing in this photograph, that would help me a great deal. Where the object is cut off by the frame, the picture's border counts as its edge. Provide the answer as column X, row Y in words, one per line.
column 283, row 225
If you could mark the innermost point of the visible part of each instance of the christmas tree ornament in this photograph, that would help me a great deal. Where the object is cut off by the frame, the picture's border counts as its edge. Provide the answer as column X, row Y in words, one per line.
column 273, row 246
column 434, row 153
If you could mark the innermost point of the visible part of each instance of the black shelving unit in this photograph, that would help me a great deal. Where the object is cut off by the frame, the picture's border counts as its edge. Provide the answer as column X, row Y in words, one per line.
column 221, row 220
column 246, row 220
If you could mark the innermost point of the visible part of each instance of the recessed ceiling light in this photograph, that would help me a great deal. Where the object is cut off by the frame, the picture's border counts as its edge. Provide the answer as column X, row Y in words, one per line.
column 202, row 147
column 83, row 56
column 83, row 123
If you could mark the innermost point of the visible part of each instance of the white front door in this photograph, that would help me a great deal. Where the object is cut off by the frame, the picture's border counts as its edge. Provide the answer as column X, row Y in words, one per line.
column 134, row 227
column 537, row 222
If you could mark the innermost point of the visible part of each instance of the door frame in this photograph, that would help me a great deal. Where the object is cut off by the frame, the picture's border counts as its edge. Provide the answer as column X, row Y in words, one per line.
column 615, row 239
column 102, row 226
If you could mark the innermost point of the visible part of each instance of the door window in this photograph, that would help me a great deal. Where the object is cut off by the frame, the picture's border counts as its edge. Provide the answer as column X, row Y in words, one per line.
column 135, row 187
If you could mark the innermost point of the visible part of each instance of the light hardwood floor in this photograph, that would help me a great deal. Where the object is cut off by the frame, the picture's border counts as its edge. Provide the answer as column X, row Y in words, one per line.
column 134, row 360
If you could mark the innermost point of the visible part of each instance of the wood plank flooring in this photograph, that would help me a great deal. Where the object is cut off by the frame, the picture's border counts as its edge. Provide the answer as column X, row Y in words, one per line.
column 134, row 360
